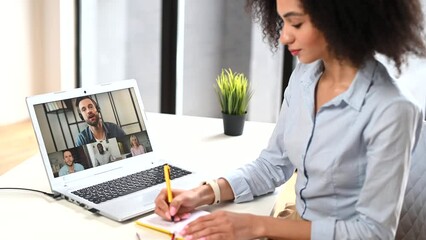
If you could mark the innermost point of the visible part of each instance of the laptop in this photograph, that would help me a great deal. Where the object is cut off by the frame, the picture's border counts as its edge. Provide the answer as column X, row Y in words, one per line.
column 117, row 174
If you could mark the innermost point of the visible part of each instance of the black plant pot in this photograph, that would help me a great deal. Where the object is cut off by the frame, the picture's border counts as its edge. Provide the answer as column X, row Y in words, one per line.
column 233, row 125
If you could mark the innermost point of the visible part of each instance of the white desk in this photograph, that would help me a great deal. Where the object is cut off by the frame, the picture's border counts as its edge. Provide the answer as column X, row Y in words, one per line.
column 199, row 141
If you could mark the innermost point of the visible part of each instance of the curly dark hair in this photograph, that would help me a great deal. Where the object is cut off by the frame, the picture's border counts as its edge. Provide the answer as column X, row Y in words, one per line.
column 355, row 29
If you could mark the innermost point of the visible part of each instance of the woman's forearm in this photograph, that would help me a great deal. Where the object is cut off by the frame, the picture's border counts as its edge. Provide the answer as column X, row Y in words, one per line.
column 278, row 228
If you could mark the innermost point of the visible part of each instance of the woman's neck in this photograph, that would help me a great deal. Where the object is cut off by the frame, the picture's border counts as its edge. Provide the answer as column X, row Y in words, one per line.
column 335, row 79
column 339, row 73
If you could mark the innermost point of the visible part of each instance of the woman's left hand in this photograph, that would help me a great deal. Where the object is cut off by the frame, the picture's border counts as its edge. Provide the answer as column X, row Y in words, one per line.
column 221, row 225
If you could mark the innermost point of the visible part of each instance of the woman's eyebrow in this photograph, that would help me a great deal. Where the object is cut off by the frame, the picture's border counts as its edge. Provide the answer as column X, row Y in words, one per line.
column 293, row 14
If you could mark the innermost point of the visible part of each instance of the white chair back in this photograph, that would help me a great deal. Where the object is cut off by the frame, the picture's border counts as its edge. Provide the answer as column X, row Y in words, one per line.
column 412, row 222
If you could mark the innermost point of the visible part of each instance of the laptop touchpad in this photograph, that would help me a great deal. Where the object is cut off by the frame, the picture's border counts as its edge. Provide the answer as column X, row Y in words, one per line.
column 148, row 198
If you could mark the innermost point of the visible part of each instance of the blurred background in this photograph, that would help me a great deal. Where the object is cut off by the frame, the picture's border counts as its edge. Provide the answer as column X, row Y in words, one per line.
column 174, row 49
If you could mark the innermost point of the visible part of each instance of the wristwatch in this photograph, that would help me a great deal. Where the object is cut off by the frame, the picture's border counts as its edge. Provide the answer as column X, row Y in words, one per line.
column 216, row 190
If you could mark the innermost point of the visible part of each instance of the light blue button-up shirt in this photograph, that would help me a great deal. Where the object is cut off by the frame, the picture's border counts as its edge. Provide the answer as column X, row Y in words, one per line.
column 352, row 155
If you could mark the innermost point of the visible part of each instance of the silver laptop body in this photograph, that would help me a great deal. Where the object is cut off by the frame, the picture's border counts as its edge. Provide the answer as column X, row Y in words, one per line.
column 57, row 124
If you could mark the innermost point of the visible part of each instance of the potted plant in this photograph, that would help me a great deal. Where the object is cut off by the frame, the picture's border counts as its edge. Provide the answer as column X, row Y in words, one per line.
column 234, row 92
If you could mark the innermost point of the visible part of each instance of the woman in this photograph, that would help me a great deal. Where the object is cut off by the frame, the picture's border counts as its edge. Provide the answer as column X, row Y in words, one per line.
column 135, row 147
column 344, row 125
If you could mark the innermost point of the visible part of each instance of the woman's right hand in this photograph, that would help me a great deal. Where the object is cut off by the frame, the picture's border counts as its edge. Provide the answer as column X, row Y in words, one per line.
column 184, row 201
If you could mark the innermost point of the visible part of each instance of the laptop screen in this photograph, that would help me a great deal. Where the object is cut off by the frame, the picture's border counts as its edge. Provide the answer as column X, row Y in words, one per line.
column 85, row 132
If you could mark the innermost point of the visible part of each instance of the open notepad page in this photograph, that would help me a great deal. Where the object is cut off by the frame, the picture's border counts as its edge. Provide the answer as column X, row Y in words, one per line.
column 157, row 223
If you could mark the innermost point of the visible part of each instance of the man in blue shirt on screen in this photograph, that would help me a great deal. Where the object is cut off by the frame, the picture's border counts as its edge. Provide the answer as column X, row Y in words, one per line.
column 97, row 130
column 70, row 166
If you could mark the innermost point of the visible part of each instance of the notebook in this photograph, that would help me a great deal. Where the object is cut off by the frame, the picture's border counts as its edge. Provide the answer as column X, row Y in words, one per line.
column 115, row 172
column 159, row 224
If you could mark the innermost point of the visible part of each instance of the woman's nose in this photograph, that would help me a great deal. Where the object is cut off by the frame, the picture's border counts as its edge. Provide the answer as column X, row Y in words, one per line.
column 286, row 37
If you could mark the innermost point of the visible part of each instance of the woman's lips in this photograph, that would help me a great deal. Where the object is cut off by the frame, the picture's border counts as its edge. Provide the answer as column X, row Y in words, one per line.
column 295, row 52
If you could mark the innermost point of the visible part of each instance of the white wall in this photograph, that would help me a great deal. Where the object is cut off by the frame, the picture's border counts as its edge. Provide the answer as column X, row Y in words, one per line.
column 213, row 34
column 203, row 51
column 37, row 57
column 17, row 64
column 413, row 79
column 30, row 46
column 220, row 34
column 121, row 39
column 266, row 79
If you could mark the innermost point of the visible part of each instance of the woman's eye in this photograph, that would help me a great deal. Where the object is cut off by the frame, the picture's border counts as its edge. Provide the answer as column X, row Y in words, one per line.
column 297, row 25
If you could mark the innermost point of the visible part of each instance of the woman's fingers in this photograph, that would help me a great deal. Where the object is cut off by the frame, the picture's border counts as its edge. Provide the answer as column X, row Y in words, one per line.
column 161, row 206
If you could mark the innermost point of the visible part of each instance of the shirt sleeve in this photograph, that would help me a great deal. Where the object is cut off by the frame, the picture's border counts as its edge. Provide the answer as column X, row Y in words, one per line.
column 80, row 167
column 83, row 137
column 62, row 171
column 271, row 169
column 121, row 132
column 390, row 138
column 80, row 140
column 118, row 131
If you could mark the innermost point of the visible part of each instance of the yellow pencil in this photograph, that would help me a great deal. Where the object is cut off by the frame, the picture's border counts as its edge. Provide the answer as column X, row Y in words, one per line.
column 168, row 185
column 159, row 230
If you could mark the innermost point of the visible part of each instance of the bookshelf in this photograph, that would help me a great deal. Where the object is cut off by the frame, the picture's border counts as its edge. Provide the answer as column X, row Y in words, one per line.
column 63, row 105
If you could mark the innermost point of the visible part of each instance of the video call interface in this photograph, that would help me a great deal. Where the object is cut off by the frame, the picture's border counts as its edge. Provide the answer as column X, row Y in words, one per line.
column 90, row 131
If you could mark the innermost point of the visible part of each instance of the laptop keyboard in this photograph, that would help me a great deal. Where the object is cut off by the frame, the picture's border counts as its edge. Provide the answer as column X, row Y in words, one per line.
column 128, row 184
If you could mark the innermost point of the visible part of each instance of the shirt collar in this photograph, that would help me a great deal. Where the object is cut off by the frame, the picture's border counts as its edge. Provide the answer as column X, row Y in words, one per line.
column 355, row 95
column 92, row 137
column 314, row 72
